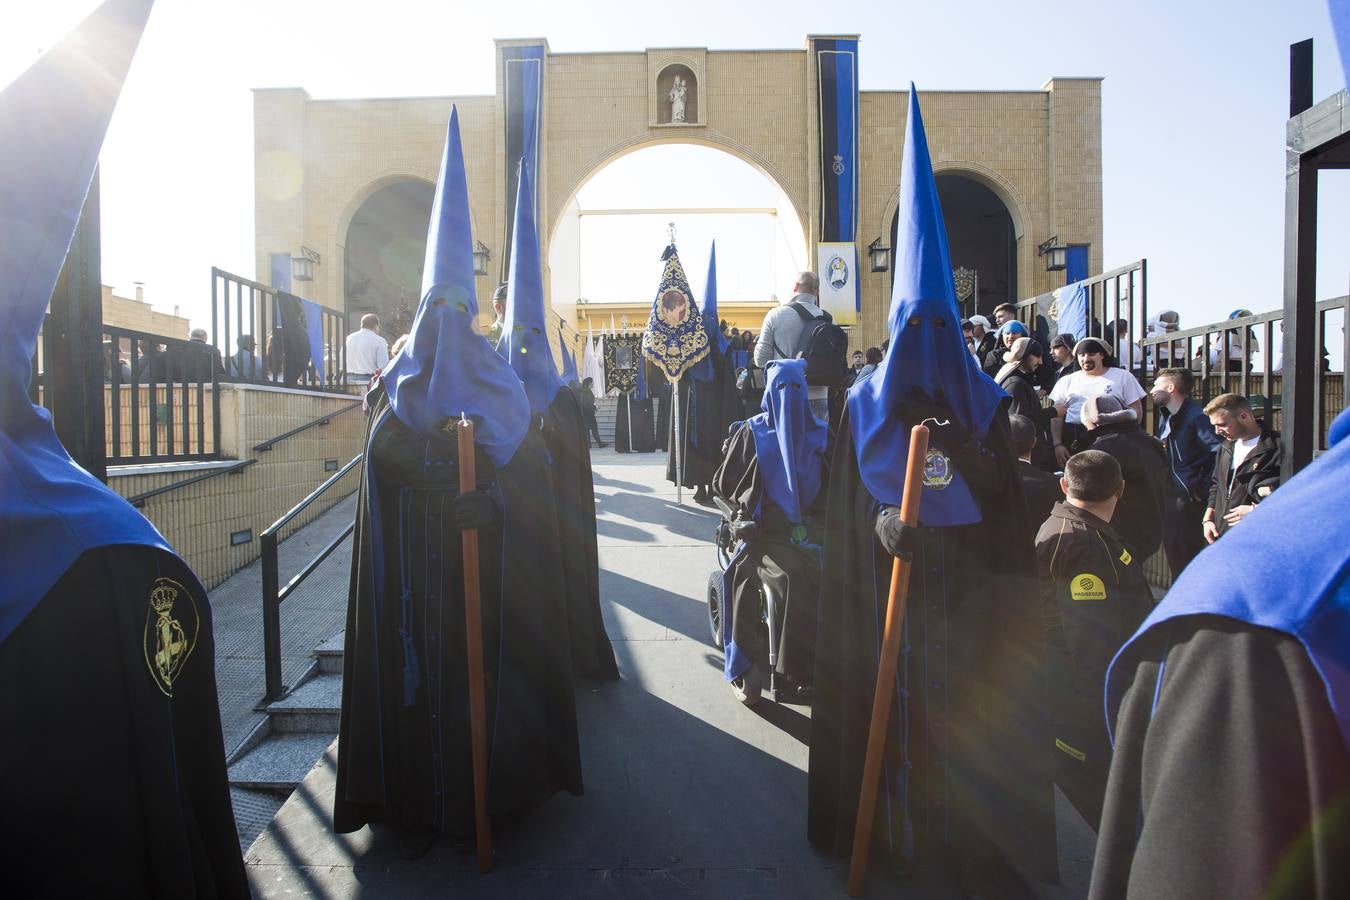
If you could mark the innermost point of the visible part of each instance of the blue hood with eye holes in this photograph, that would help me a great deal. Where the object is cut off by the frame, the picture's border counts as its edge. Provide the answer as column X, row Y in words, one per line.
column 447, row 367
column 789, row 440
column 927, row 352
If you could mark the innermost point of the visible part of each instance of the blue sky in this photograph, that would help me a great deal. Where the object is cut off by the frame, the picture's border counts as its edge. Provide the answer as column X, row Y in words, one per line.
column 1194, row 103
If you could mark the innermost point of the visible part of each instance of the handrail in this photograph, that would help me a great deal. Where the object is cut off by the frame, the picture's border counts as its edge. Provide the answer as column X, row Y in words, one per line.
column 274, row 594
column 1234, row 324
column 321, row 420
column 138, row 500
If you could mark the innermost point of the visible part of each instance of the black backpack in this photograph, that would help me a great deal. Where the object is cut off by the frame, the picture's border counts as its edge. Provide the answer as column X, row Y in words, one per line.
column 824, row 346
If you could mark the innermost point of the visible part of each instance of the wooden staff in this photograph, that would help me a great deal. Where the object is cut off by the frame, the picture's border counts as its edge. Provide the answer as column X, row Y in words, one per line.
column 890, row 656
column 473, row 638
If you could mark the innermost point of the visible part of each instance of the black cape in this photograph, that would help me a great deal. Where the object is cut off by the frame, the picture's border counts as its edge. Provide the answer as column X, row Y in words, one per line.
column 633, row 418
column 110, row 784
column 569, row 450
column 738, row 481
column 1230, row 777
column 405, row 755
column 663, row 400
column 707, row 409
column 968, row 762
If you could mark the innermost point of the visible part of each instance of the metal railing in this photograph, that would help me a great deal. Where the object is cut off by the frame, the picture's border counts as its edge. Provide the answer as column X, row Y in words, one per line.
column 161, row 402
column 138, row 500
column 274, row 593
column 1244, row 355
column 313, row 423
column 244, row 311
column 1117, row 310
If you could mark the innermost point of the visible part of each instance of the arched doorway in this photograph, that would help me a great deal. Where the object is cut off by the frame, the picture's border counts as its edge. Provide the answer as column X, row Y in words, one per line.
column 605, row 246
column 386, row 243
column 981, row 236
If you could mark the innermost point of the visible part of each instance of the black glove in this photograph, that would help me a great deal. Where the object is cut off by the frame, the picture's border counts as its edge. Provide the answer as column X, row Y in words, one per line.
column 896, row 537
column 917, row 407
column 744, row 530
column 474, row 509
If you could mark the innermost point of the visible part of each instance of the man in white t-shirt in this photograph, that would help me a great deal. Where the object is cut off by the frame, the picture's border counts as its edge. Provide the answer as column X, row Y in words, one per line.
column 367, row 353
column 1093, row 379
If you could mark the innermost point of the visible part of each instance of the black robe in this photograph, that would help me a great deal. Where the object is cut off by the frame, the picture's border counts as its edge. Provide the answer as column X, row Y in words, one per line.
column 968, row 761
column 1230, row 778
column 634, row 417
column 569, row 450
column 662, row 396
column 404, row 747
column 707, row 409
column 111, row 785
column 738, row 481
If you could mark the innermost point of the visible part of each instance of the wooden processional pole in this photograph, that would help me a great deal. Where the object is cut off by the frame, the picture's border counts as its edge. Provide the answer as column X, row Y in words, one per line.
column 473, row 638
column 675, row 423
column 890, row 656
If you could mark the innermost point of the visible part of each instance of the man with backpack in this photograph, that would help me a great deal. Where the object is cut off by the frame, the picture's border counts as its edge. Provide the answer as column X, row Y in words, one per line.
column 800, row 328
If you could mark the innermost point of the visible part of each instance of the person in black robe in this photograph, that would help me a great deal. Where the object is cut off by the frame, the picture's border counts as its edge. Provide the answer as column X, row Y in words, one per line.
column 634, row 431
column 404, row 744
column 707, row 408
column 1231, row 714
column 662, row 395
column 966, row 787
column 524, row 345
column 586, row 398
column 112, row 763
column 772, row 474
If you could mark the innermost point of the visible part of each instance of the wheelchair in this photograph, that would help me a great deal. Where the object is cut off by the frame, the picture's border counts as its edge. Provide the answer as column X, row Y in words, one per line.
column 732, row 538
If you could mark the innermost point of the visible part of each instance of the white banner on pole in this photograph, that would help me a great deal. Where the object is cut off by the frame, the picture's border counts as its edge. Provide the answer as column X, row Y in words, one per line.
column 837, row 266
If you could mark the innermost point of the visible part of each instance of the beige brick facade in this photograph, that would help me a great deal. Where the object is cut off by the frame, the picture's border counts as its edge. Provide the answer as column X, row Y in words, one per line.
column 317, row 161
column 137, row 315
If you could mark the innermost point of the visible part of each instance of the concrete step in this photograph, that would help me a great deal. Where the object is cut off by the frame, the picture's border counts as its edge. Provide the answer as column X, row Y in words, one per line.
column 312, row 708
column 280, row 762
column 330, row 654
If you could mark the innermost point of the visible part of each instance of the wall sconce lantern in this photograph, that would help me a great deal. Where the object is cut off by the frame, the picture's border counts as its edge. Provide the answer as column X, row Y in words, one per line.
column 1055, row 254
column 880, row 256
column 302, row 266
column 481, row 255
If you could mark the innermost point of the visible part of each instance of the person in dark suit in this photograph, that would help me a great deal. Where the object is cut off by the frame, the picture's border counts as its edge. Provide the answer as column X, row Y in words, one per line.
column 1191, row 446
column 1247, row 468
column 1113, row 428
column 1041, row 488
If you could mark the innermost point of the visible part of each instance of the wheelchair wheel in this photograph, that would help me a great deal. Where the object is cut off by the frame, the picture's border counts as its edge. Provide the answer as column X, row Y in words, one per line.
column 715, row 608
column 749, row 687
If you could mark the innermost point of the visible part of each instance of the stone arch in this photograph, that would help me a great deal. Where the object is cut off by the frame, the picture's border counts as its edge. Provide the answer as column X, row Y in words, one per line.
column 1012, row 203
column 588, row 170
column 397, row 206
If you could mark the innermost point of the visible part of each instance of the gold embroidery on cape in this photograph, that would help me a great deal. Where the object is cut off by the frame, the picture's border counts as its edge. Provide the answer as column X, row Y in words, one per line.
column 171, row 629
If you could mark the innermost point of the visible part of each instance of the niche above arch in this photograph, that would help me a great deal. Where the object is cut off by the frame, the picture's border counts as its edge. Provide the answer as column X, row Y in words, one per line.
column 677, row 89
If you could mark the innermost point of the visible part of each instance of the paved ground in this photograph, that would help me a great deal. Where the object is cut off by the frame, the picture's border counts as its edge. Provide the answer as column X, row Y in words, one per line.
column 687, row 793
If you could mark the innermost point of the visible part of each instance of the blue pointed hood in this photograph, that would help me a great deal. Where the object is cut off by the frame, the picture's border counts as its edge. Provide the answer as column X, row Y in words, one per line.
column 54, row 117
column 1275, row 572
column 524, row 340
column 926, row 352
column 447, row 367
column 789, row 440
column 569, row 364
column 712, row 325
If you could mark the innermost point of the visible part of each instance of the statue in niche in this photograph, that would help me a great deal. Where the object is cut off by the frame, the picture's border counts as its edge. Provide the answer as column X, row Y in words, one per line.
column 678, row 91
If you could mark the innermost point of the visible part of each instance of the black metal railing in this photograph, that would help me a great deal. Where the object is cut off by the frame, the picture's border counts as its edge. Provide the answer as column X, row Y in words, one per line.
column 249, row 324
column 161, row 402
column 138, row 500
column 274, row 593
column 1244, row 355
column 313, row 423
column 1117, row 311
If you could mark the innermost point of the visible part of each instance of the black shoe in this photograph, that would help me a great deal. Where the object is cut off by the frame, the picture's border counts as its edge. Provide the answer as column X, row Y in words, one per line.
column 603, row 445
column 414, row 843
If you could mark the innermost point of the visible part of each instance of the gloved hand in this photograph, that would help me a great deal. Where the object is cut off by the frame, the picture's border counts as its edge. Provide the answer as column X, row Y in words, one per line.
column 896, row 537
column 474, row 509
column 917, row 407
column 744, row 530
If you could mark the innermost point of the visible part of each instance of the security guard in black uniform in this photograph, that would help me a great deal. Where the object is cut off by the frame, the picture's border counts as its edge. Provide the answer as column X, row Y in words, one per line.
column 1094, row 597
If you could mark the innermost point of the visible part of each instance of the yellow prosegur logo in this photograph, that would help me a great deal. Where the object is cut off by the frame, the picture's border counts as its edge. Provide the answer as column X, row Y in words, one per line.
column 1087, row 587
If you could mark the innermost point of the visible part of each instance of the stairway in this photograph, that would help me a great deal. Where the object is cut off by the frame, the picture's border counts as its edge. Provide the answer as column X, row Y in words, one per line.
column 298, row 730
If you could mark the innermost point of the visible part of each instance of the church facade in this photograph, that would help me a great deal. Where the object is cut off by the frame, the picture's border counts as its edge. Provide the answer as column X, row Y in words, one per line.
column 350, row 181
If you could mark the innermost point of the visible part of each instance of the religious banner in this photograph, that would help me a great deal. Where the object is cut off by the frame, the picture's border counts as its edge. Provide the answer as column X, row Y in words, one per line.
column 837, row 95
column 523, row 89
column 1069, row 309
column 837, row 265
column 623, row 352
column 674, row 339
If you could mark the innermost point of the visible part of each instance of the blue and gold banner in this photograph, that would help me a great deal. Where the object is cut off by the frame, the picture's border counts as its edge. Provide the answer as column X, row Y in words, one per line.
column 675, row 339
column 837, row 90
column 523, row 94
